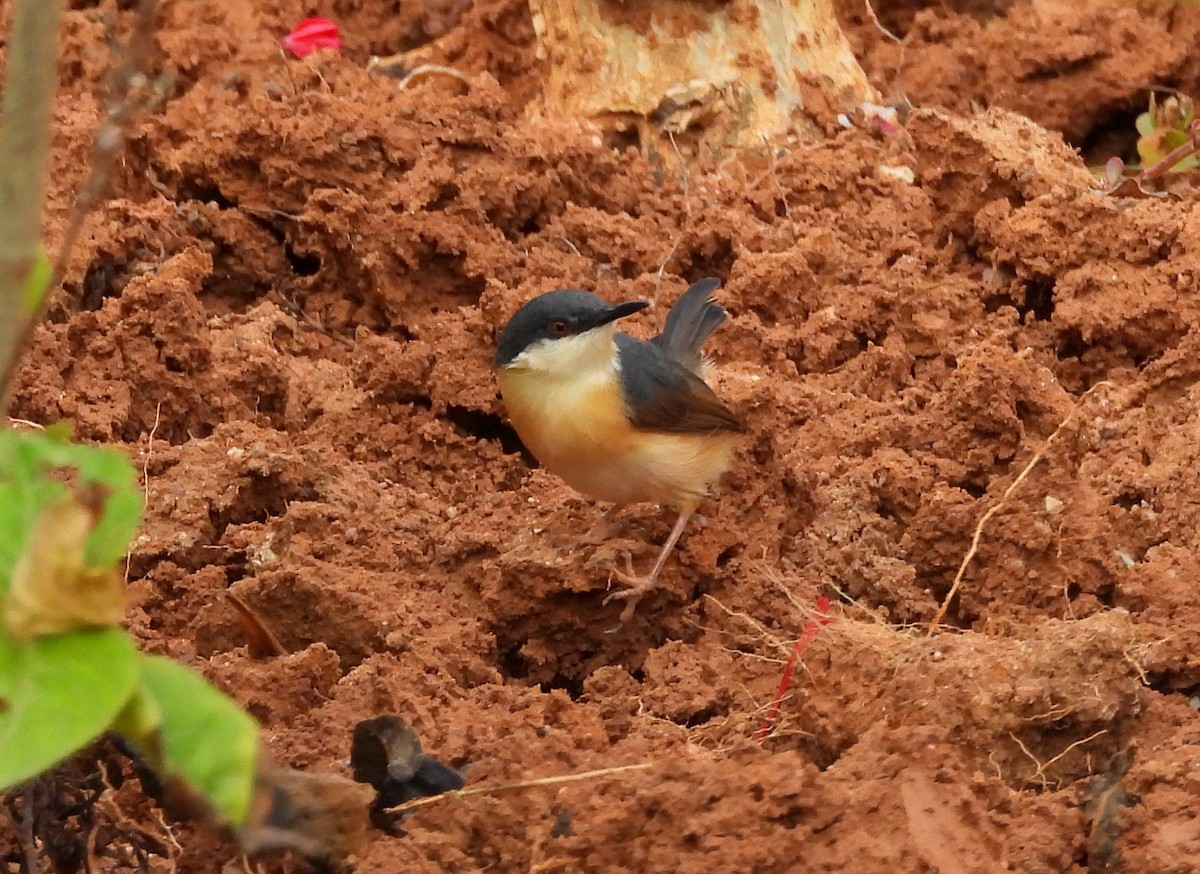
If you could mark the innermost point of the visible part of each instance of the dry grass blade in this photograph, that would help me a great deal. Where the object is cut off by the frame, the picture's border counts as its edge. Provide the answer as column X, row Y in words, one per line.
column 773, row 641
column 687, row 181
column 25, row 423
column 662, row 269
column 879, row 24
column 432, row 70
column 145, row 478
column 261, row 641
column 522, row 784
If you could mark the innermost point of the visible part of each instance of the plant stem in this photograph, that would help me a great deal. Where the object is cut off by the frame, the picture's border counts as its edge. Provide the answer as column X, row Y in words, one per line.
column 30, row 79
column 1167, row 162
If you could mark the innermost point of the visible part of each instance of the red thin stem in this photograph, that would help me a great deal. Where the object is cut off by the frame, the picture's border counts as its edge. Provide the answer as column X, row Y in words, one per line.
column 819, row 620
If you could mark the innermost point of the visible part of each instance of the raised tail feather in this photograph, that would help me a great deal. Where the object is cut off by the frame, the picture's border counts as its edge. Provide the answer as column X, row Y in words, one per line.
column 689, row 323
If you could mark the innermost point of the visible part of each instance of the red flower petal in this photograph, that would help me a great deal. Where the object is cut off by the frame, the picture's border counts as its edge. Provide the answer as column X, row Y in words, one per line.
column 312, row 34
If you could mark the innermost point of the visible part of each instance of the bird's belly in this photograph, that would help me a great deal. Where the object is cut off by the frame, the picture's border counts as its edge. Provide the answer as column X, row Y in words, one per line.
column 581, row 434
column 658, row 468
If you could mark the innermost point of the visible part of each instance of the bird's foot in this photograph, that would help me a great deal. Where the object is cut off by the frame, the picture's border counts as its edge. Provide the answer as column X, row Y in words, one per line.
column 636, row 588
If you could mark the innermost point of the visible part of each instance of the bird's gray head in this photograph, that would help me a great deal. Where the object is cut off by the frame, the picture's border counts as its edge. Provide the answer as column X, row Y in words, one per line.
column 557, row 316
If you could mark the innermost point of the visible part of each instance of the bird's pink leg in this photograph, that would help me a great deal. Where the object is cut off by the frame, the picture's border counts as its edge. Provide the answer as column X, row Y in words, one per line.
column 639, row 586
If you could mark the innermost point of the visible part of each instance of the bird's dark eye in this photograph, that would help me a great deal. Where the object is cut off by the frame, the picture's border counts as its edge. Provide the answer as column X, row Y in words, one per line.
column 559, row 328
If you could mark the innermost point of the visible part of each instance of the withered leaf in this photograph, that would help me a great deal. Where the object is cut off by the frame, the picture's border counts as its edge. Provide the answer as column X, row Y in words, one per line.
column 52, row 589
column 322, row 817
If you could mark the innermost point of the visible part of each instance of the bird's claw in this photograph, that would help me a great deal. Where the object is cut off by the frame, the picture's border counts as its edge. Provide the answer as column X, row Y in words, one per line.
column 629, row 577
column 631, row 597
column 637, row 587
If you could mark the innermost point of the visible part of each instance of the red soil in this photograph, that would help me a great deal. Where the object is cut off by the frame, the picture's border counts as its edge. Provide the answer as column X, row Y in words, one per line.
column 286, row 316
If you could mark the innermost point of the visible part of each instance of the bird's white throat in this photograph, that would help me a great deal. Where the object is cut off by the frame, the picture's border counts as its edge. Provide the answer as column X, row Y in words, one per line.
column 593, row 352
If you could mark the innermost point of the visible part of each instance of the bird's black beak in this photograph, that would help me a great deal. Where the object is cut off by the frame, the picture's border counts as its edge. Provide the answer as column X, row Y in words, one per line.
column 620, row 310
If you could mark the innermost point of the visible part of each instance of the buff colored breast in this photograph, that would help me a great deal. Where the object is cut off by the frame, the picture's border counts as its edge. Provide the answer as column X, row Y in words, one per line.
column 577, row 429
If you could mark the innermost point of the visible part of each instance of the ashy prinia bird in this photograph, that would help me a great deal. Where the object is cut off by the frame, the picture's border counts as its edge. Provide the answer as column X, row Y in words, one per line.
column 619, row 419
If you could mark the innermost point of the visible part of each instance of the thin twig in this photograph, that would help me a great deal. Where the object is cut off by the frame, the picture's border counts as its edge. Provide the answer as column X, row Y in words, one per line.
column 751, row 656
column 847, row 598
column 663, row 267
column 771, row 166
column 130, row 828
column 1091, row 737
column 89, row 854
column 287, row 66
column 267, row 210
column 787, row 593
column 145, row 479
column 977, row 537
column 879, row 24
column 150, row 453
column 683, row 170
column 523, row 784
column 297, row 312
column 261, row 641
column 30, row 80
column 25, row 423
column 128, row 76
column 574, row 248
column 771, row 639
column 432, row 70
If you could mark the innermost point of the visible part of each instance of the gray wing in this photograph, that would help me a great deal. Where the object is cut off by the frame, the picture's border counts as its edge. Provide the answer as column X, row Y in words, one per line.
column 663, row 395
column 690, row 322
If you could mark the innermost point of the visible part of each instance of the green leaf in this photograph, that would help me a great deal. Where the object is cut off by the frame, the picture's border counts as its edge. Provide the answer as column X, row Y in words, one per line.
column 1173, row 138
column 1145, row 124
column 24, row 493
column 37, row 283
column 62, row 691
column 10, row 654
column 138, row 722
column 206, row 737
column 1148, row 152
column 27, row 488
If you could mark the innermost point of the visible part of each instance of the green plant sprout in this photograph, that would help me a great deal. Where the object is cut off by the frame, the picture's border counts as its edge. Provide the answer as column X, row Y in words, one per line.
column 1168, row 143
column 1163, row 128
column 68, row 671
